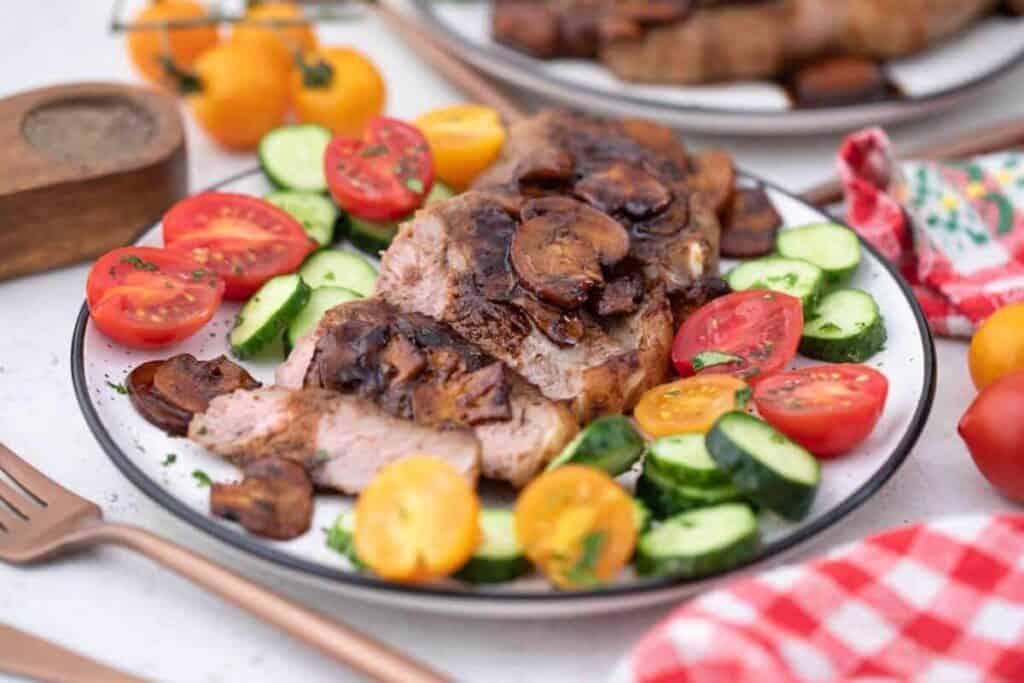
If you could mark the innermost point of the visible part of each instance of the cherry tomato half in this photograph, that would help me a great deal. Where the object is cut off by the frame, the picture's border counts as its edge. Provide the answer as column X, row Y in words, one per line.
column 827, row 409
column 689, row 405
column 243, row 239
column 759, row 329
column 148, row 298
column 993, row 428
column 383, row 177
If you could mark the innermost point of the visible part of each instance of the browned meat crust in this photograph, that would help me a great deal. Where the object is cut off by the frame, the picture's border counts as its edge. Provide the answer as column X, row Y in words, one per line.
column 275, row 499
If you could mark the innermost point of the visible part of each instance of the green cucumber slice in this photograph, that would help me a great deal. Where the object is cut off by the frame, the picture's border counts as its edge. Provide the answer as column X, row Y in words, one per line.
column 265, row 316
column 333, row 268
column 611, row 444
column 341, row 538
column 801, row 279
column 317, row 214
column 499, row 557
column 832, row 247
column 292, row 157
column 685, row 459
column 847, row 327
column 699, row 542
column 666, row 497
column 374, row 238
column 767, row 466
column 320, row 301
column 642, row 516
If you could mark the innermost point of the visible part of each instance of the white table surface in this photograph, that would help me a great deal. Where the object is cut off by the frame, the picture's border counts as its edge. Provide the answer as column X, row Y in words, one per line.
column 118, row 607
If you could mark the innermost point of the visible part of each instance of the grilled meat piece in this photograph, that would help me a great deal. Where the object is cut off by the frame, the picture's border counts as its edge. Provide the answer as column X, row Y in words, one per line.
column 765, row 40
column 415, row 368
column 750, row 224
column 837, row 81
column 167, row 393
column 275, row 499
column 342, row 441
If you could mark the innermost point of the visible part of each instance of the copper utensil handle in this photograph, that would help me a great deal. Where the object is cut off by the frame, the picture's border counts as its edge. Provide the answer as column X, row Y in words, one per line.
column 335, row 640
column 462, row 77
column 999, row 136
column 26, row 655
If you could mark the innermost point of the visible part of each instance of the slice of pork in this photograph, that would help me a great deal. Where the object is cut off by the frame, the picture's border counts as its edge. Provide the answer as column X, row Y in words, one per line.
column 342, row 441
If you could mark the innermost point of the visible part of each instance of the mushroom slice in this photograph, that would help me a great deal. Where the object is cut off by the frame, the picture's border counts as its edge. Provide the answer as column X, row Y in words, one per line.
column 564, row 328
column 191, row 384
column 749, row 224
column 275, row 499
column 714, row 177
column 560, row 247
column 620, row 296
column 151, row 404
column 544, row 166
column 623, row 187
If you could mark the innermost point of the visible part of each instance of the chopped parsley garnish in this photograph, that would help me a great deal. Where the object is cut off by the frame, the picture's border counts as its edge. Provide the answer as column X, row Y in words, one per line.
column 583, row 572
column 202, row 479
column 414, row 185
column 777, row 438
column 374, row 151
column 329, row 276
column 198, row 274
column 707, row 359
column 169, row 459
column 829, row 327
column 138, row 262
column 118, row 387
column 743, row 396
column 320, row 456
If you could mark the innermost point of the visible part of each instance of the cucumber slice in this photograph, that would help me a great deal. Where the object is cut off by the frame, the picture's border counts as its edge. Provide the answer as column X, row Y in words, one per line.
column 610, row 443
column 847, row 327
column 833, row 248
column 762, row 462
column 666, row 497
column 685, row 459
column 641, row 515
column 315, row 212
column 320, row 301
column 292, row 157
column 374, row 238
column 801, row 279
column 333, row 268
column 265, row 316
column 499, row 557
column 341, row 538
column 699, row 542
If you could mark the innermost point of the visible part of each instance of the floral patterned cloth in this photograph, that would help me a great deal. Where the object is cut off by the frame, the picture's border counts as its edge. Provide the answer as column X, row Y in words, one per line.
column 954, row 229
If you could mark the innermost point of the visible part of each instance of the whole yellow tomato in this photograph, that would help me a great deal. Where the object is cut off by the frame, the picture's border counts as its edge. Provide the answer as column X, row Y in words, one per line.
column 338, row 88
column 464, row 140
column 147, row 48
column 239, row 95
column 282, row 43
column 998, row 346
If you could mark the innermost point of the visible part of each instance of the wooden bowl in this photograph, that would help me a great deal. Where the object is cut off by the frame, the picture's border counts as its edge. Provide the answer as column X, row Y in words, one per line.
column 87, row 167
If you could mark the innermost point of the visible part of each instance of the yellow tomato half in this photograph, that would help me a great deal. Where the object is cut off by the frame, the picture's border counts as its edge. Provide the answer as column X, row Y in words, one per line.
column 417, row 520
column 146, row 48
column 464, row 139
column 345, row 99
column 690, row 405
column 577, row 525
column 998, row 346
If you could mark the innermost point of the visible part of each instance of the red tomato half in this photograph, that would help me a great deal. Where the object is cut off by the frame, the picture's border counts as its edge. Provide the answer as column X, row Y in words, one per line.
column 827, row 409
column 243, row 239
column 384, row 177
column 993, row 428
column 760, row 328
column 148, row 298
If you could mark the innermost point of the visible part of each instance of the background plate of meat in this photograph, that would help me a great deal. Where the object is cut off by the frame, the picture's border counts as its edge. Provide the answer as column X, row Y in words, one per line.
column 140, row 450
column 740, row 66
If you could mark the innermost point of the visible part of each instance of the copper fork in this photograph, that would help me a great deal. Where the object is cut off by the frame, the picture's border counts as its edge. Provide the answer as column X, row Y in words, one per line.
column 45, row 519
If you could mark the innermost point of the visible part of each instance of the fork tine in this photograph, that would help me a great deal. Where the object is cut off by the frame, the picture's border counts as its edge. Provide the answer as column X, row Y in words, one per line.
column 9, row 522
column 37, row 484
column 15, row 501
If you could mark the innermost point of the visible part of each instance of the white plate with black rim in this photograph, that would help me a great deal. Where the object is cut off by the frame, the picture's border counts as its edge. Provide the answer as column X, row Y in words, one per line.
column 927, row 83
column 139, row 450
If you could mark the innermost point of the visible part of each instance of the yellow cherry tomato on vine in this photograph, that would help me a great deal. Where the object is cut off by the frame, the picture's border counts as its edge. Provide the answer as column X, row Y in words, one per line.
column 465, row 140
column 147, row 48
column 338, row 88
column 283, row 43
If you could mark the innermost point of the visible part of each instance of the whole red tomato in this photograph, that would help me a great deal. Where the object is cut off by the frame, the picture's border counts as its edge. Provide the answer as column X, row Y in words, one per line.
column 993, row 428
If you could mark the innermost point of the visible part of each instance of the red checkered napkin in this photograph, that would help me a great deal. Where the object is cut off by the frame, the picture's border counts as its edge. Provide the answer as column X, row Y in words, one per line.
column 941, row 602
column 962, row 248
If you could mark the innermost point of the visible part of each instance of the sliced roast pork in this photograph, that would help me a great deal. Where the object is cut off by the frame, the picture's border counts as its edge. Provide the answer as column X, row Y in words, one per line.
column 416, row 369
column 342, row 441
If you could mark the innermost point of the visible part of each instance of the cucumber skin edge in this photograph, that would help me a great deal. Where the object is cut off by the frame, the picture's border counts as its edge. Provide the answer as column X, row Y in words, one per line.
column 858, row 350
column 482, row 570
column 664, row 500
column 692, row 567
column 788, row 500
column 275, row 326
